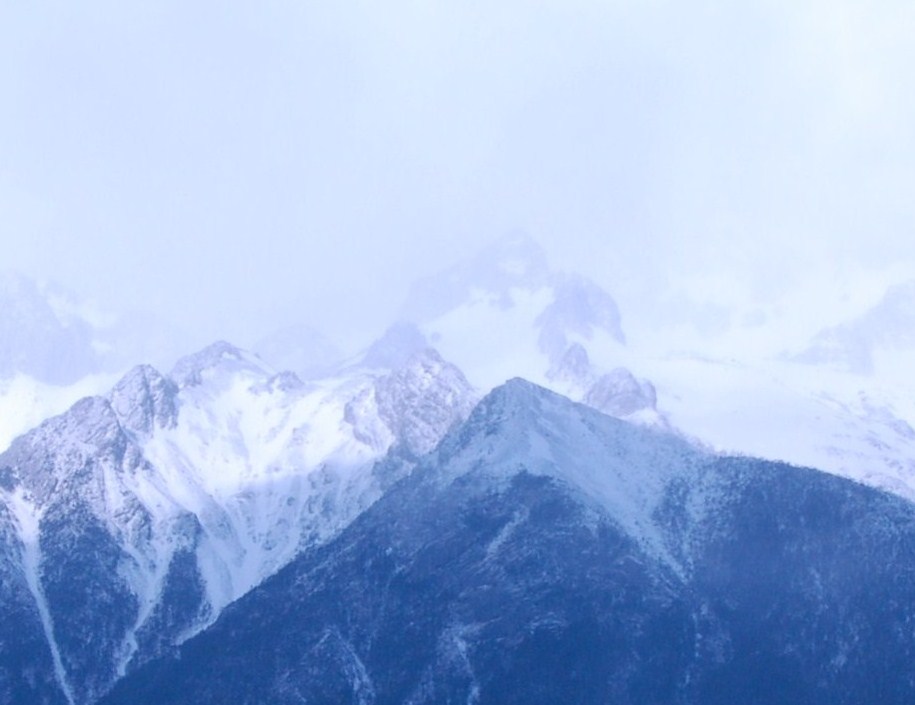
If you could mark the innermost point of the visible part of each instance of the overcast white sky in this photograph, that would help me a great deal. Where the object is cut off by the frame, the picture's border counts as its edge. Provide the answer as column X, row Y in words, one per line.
column 241, row 166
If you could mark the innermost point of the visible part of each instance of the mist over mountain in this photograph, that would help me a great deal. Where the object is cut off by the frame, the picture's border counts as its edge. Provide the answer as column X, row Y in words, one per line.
column 56, row 337
column 506, row 312
column 887, row 327
column 485, row 353
column 300, row 349
column 368, row 532
column 39, row 339
column 514, row 261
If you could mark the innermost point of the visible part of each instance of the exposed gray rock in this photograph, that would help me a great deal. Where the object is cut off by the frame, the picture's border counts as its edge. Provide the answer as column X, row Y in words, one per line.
column 423, row 400
column 574, row 367
column 144, row 399
column 620, row 394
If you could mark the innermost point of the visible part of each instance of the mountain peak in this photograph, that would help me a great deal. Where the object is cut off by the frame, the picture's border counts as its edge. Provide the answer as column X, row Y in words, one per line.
column 90, row 430
column 517, row 392
column 144, row 399
column 397, row 345
column 619, row 393
column 422, row 399
column 190, row 370
column 619, row 467
column 511, row 401
column 518, row 255
column 580, row 308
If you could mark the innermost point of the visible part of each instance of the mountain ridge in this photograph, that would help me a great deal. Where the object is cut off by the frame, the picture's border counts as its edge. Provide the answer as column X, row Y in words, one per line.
column 167, row 500
column 480, row 578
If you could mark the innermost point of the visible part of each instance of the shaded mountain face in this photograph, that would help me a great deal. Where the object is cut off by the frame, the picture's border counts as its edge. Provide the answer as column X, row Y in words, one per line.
column 128, row 523
column 547, row 553
column 27, row 673
column 52, row 336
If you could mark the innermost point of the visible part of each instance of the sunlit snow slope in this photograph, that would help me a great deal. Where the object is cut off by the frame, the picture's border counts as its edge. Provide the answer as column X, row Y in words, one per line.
column 142, row 514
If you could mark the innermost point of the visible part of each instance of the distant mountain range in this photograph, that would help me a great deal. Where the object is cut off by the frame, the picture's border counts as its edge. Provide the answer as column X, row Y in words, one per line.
column 542, row 552
column 407, row 526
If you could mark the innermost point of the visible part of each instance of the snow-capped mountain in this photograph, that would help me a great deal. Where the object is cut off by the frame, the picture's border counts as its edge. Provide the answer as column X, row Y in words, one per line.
column 505, row 313
column 853, row 426
column 548, row 553
column 56, row 348
column 137, row 517
column 844, row 405
column 25, row 402
column 49, row 354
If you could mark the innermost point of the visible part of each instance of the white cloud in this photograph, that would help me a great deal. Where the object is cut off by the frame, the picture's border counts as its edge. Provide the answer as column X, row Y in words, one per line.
column 307, row 160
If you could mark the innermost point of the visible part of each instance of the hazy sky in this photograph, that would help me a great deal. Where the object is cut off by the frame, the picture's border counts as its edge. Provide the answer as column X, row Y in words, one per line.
column 237, row 167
